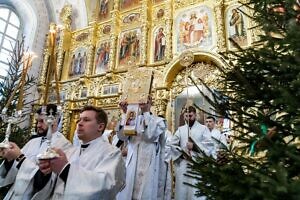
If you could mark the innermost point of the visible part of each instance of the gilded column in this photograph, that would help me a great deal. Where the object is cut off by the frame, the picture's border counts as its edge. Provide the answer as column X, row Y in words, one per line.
column 64, row 31
column 145, row 28
column 169, row 22
column 45, row 65
column 66, row 118
column 219, row 12
column 42, row 78
column 161, row 100
column 114, row 36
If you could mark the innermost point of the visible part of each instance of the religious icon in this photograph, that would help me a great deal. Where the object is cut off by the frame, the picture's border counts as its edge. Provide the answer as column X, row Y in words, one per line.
column 129, row 51
column 104, row 9
column 126, row 4
column 195, row 28
column 138, row 84
column 106, row 29
column 131, row 18
column 236, row 26
column 160, row 45
column 83, row 93
column 78, row 62
column 102, row 58
column 131, row 119
column 160, row 13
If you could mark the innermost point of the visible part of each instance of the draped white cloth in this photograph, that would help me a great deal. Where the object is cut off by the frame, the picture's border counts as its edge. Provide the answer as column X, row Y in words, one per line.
column 144, row 158
column 219, row 140
column 165, row 178
column 97, row 173
column 201, row 136
column 23, row 178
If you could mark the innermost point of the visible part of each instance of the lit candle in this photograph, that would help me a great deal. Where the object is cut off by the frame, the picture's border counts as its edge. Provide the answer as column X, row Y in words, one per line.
column 51, row 62
column 27, row 61
column 10, row 98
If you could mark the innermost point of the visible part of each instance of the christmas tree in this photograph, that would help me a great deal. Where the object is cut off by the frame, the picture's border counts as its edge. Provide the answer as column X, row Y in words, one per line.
column 10, row 95
column 10, row 89
column 261, row 97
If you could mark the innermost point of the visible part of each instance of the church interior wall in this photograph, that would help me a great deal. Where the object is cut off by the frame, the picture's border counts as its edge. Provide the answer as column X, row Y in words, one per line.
column 95, row 62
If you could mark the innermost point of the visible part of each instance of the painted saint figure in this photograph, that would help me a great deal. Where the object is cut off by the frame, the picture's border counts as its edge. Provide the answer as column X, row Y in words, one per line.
column 103, row 8
column 160, row 45
column 129, row 47
column 130, row 121
column 102, row 58
column 237, row 23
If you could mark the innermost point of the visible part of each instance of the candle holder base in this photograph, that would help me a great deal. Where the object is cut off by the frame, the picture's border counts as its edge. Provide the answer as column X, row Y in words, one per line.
column 47, row 155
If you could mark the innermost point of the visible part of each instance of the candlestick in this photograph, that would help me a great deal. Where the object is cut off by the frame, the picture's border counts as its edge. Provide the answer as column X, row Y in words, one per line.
column 27, row 61
column 10, row 120
column 49, row 153
column 52, row 66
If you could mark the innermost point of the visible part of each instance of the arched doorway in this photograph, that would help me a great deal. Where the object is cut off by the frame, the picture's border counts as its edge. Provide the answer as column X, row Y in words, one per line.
column 182, row 90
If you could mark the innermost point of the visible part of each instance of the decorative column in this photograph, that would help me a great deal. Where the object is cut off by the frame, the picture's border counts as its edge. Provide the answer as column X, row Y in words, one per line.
column 63, row 31
column 161, row 100
column 45, row 64
column 219, row 11
column 114, row 36
column 66, row 118
column 169, row 22
column 144, row 29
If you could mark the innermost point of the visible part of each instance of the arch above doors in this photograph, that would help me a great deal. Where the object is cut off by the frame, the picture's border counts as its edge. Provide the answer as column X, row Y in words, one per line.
column 200, row 56
column 205, row 66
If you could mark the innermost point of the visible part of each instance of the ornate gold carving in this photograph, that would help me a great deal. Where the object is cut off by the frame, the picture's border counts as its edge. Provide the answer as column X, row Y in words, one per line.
column 138, row 84
column 161, row 101
column 131, row 18
column 42, row 79
column 82, row 36
column 66, row 16
column 219, row 13
column 145, row 17
column 185, row 3
column 106, row 29
column 66, row 118
column 186, row 58
column 199, row 70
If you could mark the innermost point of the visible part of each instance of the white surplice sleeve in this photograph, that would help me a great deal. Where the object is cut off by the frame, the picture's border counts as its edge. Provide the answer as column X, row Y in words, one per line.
column 152, row 127
column 101, row 182
column 176, row 150
column 120, row 128
column 7, row 177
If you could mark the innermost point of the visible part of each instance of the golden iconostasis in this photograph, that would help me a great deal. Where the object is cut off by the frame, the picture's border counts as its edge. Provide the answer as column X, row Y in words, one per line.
column 125, row 38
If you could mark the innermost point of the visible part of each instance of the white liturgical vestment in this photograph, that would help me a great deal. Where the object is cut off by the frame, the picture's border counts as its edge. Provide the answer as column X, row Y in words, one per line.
column 95, row 173
column 23, row 178
column 144, row 157
column 201, row 136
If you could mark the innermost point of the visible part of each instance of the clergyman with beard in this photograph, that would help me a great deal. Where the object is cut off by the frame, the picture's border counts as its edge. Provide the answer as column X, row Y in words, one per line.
column 189, row 140
column 20, row 165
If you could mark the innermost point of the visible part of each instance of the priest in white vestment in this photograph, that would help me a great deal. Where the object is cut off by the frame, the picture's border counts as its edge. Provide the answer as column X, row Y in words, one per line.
column 218, row 138
column 191, row 139
column 95, row 170
column 19, row 166
column 145, row 154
